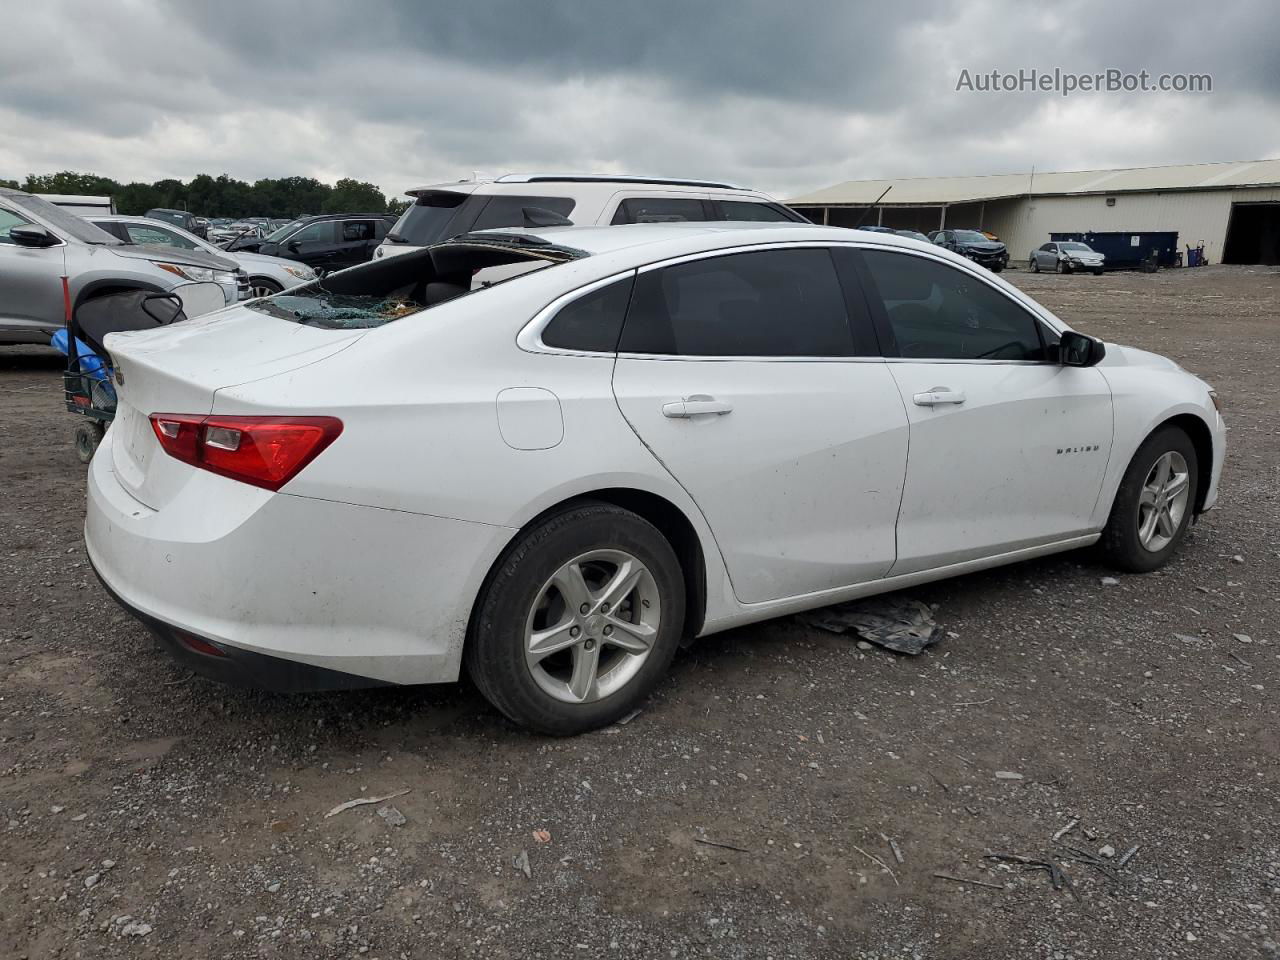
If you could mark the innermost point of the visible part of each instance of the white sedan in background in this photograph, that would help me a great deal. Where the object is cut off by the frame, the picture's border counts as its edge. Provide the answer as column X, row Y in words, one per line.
column 267, row 275
column 661, row 432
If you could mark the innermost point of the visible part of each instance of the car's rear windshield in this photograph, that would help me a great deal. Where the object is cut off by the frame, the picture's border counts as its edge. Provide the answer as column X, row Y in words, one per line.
column 428, row 219
column 388, row 289
column 62, row 220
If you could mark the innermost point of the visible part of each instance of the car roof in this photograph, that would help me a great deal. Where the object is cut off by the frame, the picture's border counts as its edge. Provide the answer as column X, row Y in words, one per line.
column 699, row 235
column 471, row 185
column 333, row 216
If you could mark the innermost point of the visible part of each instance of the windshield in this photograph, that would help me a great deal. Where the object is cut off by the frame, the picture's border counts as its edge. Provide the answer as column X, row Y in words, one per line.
column 972, row 236
column 169, row 216
column 381, row 291
column 1077, row 247
column 278, row 235
column 428, row 220
column 62, row 221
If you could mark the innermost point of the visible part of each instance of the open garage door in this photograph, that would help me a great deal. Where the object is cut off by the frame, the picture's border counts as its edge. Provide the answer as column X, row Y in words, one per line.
column 1253, row 234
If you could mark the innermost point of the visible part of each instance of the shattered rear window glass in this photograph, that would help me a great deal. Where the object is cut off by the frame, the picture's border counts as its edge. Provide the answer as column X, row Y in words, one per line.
column 376, row 293
column 339, row 311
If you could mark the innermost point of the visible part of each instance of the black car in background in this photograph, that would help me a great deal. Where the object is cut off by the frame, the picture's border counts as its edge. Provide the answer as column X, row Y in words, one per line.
column 327, row 242
column 181, row 218
column 978, row 247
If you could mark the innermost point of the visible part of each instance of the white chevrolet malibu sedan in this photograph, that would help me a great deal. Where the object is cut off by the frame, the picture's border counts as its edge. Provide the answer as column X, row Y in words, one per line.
column 652, row 433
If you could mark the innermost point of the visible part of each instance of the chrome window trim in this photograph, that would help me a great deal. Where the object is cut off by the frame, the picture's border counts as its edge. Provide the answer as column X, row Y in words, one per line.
column 529, row 339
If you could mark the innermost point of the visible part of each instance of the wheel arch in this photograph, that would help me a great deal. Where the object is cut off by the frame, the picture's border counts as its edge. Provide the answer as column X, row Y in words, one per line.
column 108, row 285
column 1202, row 439
column 669, row 519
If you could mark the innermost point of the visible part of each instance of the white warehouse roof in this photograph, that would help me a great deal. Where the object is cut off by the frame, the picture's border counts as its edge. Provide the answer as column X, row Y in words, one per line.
column 944, row 190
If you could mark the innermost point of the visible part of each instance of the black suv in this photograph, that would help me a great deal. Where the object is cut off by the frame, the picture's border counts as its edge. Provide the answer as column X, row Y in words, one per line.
column 978, row 247
column 330, row 241
column 181, row 218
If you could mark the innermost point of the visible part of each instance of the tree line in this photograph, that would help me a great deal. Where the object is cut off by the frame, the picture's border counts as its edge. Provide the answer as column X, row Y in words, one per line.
column 220, row 196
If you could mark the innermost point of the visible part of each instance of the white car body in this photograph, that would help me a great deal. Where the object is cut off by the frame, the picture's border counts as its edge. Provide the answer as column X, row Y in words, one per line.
column 279, row 273
column 460, row 427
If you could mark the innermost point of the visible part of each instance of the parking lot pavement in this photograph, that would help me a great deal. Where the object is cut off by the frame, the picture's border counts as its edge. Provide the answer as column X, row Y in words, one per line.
column 145, row 813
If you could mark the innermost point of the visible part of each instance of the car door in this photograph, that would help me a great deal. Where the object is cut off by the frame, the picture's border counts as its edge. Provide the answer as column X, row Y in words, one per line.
column 1008, row 447
column 355, row 242
column 1047, row 256
column 31, row 293
column 753, row 379
column 316, row 245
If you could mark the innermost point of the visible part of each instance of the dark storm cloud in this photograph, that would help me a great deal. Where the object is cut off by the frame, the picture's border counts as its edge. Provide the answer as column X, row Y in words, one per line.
column 784, row 96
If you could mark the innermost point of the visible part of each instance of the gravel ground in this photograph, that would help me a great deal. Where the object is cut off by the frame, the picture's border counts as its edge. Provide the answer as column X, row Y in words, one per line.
column 144, row 812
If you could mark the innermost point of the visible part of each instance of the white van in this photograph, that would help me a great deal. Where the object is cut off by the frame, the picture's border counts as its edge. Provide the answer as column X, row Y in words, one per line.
column 81, row 206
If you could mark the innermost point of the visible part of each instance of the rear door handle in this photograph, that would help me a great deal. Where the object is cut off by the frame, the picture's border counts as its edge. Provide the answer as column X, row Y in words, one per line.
column 694, row 406
column 935, row 396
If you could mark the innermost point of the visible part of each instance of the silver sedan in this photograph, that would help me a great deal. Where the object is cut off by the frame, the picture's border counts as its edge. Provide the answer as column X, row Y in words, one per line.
column 1066, row 256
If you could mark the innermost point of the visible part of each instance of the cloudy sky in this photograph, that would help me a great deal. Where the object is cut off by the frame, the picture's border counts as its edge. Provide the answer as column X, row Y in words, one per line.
column 786, row 97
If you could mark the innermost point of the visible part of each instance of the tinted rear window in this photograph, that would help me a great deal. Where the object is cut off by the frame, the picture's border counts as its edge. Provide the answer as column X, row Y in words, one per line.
column 768, row 303
column 429, row 219
column 592, row 322
column 660, row 210
column 504, row 211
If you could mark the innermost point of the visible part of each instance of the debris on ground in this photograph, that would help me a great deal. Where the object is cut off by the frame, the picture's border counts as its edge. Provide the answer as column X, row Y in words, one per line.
column 361, row 801
column 717, row 843
column 897, row 624
column 872, row 857
column 1058, row 878
column 972, row 883
column 1008, row 775
column 1127, row 856
column 893, row 845
column 1110, row 582
column 542, row 836
column 1071, row 825
column 626, row 718
column 521, row 862
column 392, row 816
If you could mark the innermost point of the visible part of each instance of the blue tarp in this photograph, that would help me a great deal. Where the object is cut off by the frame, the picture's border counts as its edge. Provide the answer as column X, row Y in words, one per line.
column 90, row 362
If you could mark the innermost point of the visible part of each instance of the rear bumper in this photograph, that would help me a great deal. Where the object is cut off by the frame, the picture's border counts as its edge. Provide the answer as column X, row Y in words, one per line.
column 381, row 596
column 237, row 667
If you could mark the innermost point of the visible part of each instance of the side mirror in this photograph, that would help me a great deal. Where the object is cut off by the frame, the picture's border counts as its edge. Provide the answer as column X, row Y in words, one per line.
column 293, row 246
column 33, row 236
column 1079, row 350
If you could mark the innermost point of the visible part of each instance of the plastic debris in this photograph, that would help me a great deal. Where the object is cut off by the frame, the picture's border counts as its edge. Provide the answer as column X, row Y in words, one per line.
column 1007, row 775
column 521, row 863
column 361, row 801
column 542, row 836
column 901, row 625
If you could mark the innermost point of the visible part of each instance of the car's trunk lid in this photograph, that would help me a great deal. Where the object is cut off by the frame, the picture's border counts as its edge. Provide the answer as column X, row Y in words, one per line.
column 179, row 368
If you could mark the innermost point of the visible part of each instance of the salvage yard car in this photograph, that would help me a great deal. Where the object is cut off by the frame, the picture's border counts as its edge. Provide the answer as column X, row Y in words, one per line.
column 51, row 261
column 444, row 210
column 1067, row 256
column 978, row 247
column 664, row 431
column 263, row 275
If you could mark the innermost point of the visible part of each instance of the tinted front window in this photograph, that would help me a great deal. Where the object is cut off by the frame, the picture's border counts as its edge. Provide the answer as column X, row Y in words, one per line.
column 753, row 211
column 768, row 303
column 509, row 211
column 938, row 312
column 320, row 232
column 592, row 322
column 660, row 210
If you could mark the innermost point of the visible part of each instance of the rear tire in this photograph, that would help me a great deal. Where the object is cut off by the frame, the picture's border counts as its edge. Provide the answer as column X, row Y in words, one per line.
column 611, row 629
column 87, row 438
column 1097, row 272
column 1137, row 537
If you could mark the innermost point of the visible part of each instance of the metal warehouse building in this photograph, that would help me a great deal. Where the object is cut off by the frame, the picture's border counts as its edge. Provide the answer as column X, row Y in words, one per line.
column 1234, row 208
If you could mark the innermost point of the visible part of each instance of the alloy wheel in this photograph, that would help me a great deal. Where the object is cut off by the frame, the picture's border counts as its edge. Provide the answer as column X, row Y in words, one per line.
column 262, row 290
column 1162, row 504
column 592, row 626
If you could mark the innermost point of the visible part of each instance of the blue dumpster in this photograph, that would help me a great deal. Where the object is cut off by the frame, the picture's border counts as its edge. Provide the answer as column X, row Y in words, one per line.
column 1126, row 251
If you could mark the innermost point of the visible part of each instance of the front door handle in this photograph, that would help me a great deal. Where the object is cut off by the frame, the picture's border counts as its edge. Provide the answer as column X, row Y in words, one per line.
column 694, row 406
column 935, row 396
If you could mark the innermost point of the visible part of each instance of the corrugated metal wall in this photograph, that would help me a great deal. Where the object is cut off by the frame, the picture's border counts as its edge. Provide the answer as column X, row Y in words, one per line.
column 1196, row 215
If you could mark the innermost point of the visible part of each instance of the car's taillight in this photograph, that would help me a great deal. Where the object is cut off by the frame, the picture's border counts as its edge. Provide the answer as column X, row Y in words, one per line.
column 267, row 452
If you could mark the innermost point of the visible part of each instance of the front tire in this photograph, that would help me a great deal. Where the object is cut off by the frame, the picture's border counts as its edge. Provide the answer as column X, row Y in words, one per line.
column 263, row 287
column 1154, row 504
column 578, row 621
column 1035, row 265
